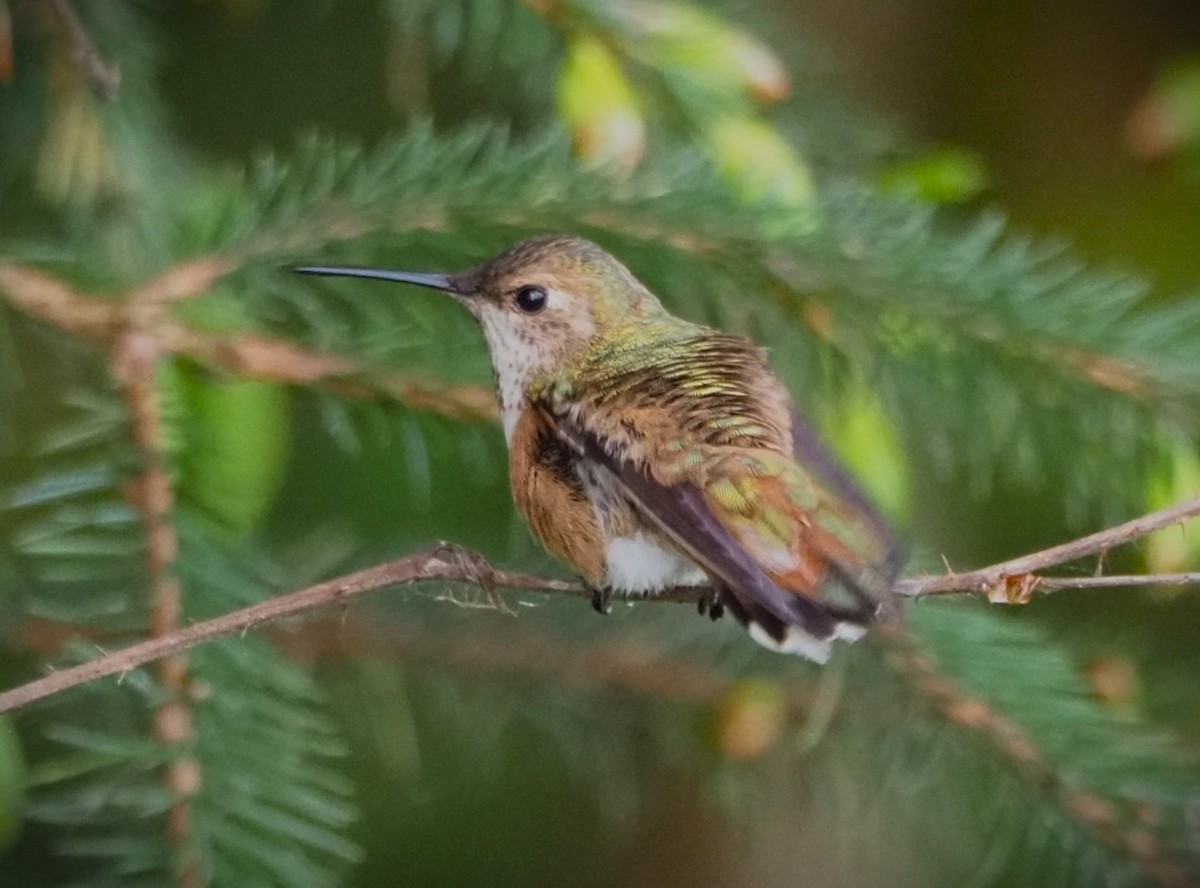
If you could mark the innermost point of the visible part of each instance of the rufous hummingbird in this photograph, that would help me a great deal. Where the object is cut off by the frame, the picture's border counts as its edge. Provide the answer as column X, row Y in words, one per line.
column 650, row 452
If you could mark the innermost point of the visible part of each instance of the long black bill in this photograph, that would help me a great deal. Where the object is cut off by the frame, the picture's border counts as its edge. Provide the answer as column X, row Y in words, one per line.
column 436, row 281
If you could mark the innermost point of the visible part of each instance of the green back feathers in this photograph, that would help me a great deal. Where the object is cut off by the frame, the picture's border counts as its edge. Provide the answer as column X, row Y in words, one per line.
column 716, row 387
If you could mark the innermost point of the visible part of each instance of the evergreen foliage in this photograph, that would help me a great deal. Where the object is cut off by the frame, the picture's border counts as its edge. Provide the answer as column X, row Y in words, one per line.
column 995, row 368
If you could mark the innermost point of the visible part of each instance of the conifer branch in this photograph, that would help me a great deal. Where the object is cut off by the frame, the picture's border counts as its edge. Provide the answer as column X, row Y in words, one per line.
column 1017, row 749
column 643, row 671
column 449, row 562
column 182, row 281
column 35, row 293
column 49, row 299
column 636, row 669
column 134, row 360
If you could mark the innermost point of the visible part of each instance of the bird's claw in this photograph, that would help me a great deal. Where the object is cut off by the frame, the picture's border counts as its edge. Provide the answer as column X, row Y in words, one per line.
column 602, row 597
column 710, row 603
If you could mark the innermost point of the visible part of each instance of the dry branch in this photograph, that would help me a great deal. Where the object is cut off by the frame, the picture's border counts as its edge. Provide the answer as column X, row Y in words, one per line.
column 450, row 563
column 986, row 580
column 442, row 562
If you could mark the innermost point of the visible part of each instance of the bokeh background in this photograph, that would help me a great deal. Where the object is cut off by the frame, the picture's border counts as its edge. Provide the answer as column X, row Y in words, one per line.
column 1054, row 98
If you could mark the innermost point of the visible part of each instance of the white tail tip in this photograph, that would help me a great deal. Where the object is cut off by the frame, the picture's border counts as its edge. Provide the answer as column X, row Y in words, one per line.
column 804, row 645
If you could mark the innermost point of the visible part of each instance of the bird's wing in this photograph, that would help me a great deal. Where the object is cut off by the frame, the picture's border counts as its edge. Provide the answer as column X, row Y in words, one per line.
column 879, row 554
column 682, row 512
column 793, row 547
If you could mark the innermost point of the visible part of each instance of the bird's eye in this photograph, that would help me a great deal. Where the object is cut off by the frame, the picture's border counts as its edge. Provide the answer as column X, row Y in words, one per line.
column 530, row 300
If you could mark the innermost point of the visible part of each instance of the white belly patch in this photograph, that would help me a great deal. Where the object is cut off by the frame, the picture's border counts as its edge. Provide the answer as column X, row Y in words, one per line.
column 639, row 564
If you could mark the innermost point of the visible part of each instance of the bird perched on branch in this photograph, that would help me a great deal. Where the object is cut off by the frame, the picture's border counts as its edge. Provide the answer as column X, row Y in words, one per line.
column 650, row 452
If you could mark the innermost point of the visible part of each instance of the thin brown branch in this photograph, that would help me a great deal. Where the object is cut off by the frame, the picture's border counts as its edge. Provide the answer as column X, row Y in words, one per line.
column 448, row 562
column 987, row 580
column 134, row 360
column 442, row 562
column 182, row 281
column 47, row 298
column 103, row 76
column 262, row 357
column 1116, row 581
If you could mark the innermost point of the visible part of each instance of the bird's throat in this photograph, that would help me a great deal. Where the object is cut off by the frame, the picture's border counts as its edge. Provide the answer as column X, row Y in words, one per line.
column 515, row 360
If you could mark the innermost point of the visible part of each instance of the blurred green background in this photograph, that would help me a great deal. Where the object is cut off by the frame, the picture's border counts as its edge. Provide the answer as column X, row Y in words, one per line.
column 1054, row 98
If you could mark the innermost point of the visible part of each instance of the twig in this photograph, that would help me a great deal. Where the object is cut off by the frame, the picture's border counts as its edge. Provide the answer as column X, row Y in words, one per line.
column 986, row 579
column 184, row 280
column 436, row 563
column 630, row 671
column 49, row 299
column 102, row 76
column 449, row 562
column 1053, row 584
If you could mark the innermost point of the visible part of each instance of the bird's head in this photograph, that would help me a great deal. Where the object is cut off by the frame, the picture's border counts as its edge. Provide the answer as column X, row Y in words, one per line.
column 540, row 302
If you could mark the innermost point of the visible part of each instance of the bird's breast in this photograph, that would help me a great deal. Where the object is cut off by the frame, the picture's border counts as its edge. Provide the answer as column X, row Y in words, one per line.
column 644, row 563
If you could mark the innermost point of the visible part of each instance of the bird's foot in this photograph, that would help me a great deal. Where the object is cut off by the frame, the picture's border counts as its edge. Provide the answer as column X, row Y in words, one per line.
column 710, row 603
column 602, row 597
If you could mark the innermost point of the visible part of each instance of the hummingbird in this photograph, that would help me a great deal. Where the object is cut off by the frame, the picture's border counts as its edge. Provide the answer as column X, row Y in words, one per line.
column 652, row 453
